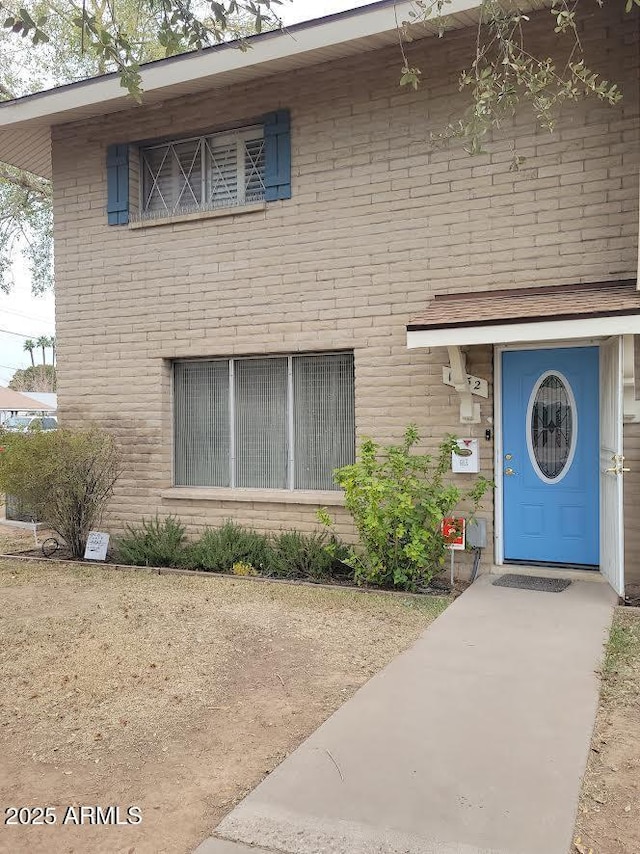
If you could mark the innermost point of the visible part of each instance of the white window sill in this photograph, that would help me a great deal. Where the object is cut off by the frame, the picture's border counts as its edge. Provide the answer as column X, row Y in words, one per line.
column 316, row 497
column 198, row 215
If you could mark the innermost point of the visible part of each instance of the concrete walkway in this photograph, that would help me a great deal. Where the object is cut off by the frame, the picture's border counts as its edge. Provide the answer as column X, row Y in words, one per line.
column 474, row 740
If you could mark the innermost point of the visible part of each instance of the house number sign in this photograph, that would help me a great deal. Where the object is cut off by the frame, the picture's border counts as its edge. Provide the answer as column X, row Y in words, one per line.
column 476, row 384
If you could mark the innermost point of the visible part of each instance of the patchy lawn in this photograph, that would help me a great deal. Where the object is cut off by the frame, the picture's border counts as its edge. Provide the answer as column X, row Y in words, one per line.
column 16, row 539
column 609, row 811
column 176, row 694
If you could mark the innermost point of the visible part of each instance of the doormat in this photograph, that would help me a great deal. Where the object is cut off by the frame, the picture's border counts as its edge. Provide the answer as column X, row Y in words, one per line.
column 532, row 582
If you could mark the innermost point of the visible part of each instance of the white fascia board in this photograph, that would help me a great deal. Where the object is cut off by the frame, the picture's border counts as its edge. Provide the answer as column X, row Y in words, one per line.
column 512, row 333
column 161, row 76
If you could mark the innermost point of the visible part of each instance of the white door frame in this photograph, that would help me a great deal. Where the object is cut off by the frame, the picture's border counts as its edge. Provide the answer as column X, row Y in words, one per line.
column 498, row 350
column 612, row 452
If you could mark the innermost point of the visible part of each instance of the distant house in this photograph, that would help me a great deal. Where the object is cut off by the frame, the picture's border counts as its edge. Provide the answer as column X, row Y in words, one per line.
column 267, row 260
column 16, row 403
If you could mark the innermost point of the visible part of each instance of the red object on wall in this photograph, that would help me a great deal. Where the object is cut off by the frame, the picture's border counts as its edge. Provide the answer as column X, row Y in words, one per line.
column 453, row 530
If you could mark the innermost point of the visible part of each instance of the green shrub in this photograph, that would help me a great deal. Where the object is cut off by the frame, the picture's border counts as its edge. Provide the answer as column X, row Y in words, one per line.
column 63, row 478
column 220, row 548
column 233, row 549
column 153, row 543
column 296, row 555
column 398, row 499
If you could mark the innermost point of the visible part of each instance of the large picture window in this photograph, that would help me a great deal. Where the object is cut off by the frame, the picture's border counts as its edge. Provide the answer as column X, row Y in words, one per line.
column 284, row 422
column 203, row 173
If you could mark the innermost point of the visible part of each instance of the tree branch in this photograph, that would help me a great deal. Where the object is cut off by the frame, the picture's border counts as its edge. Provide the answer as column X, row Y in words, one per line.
column 27, row 181
column 6, row 94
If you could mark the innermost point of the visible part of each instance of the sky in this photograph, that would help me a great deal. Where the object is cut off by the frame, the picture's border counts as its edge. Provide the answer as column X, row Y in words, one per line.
column 24, row 316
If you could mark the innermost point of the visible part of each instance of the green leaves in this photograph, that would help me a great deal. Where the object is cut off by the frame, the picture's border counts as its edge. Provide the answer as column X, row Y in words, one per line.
column 397, row 499
column 604, row 90
column 63, row 477
column 565, row 17
column 23, row 24
column 121, row 34
column 25, row 210
column 410, row 77
column 507, row 73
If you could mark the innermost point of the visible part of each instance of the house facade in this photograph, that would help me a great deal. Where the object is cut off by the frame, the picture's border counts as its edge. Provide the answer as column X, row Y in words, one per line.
column 268, row 259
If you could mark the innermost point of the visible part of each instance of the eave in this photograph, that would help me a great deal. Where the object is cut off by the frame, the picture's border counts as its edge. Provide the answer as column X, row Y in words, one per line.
column 26, row 123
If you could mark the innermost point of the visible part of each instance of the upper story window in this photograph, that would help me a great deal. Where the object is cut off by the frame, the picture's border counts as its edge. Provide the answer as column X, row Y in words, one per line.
column 209, row 172
column 203, row 173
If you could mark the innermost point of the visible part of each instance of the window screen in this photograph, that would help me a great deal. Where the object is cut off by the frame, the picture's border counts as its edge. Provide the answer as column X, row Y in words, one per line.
column 324, row 429
column 261, row 422
column 201, row 394
column 279, row 423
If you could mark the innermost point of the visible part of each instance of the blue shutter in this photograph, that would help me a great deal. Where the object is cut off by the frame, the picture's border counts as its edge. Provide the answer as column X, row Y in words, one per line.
column 277, row 154
column 118, row 184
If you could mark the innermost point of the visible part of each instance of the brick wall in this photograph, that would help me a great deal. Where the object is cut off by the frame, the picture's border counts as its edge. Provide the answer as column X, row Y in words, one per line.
column 378, row 223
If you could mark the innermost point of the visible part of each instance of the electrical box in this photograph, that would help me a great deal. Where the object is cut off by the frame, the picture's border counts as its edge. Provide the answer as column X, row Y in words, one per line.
column 477, row 533
column 465, row 459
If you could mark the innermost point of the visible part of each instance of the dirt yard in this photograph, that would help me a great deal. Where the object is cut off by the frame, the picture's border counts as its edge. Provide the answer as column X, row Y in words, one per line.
column 609, row 811
column 175, row 694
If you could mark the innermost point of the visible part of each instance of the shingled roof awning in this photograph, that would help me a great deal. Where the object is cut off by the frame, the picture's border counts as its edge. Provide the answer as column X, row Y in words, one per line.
column 547, row 313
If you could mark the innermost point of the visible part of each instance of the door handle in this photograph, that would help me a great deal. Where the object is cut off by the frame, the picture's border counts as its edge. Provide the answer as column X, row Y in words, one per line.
column 509, row 471
column 618, row 465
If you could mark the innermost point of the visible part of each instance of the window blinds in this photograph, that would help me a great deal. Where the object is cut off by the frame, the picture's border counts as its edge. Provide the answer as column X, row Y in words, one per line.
column 206, row 173
column 202, row 434
column 278, row 423
column 261, row 423
column 324, row 429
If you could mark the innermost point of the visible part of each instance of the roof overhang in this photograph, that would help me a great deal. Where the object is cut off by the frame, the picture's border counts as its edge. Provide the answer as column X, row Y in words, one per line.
column 16, row 401
column 25, row 123
column 554, row 313
column 514, row 333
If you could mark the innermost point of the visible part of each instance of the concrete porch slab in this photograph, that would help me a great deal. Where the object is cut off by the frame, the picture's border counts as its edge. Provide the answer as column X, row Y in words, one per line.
column 549, row 572
column 474, row 740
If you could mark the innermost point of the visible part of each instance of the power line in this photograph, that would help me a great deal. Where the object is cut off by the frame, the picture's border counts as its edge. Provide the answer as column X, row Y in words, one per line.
column 27, row 316
column 18, row 334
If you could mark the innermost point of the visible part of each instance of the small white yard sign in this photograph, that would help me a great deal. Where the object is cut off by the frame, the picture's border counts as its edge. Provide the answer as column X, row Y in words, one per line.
column 97, row 545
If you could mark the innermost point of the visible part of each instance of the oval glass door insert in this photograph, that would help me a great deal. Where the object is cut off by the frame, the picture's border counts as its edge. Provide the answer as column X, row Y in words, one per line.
column 552, row 427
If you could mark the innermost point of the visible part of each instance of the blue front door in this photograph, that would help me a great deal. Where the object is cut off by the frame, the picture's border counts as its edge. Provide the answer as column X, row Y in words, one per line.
column 550, row 455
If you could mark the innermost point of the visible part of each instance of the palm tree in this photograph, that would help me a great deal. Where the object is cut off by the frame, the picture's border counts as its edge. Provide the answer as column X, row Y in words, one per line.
column 43, row 342
column 29, row 346
column 52, row 344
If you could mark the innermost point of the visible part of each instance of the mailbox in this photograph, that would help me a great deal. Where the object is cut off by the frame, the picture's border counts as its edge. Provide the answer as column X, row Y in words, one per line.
column 465, row 459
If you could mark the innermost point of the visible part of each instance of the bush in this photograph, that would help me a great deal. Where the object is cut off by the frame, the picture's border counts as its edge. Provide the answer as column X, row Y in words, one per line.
column 243, row 569
column 313, row 556
column 153, row 543
column 233, row 549
column 397, row 500
column 63, row 478
column 220, row 548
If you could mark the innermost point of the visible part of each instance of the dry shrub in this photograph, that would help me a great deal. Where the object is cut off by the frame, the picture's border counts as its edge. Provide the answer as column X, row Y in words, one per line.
column 63, row 478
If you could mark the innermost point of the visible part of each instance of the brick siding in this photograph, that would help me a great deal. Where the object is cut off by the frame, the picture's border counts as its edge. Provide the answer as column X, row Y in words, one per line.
column 378, row 222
